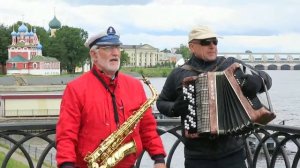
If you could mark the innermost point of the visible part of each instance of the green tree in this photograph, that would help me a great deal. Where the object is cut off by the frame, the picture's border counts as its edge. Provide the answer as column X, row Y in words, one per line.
column 56, row 49
column 5, row 40
column 69, row 43
column 124, row 58
column 166, row 51
column 184, row 51
column 44, row 38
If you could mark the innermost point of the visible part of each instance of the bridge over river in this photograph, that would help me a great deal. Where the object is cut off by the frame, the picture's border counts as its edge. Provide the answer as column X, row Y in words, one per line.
column 269, row 61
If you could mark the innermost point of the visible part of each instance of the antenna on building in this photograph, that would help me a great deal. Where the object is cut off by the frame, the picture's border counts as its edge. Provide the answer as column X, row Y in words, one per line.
column 22, row 18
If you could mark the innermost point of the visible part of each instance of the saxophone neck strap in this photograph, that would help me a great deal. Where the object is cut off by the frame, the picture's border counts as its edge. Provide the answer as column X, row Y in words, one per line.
column 113, row 97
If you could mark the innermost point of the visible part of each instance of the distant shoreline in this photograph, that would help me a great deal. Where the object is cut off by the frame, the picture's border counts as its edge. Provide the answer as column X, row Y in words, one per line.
column 32, row 83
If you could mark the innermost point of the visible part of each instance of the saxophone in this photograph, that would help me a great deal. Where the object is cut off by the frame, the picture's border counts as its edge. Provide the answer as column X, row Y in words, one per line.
column 112, row 150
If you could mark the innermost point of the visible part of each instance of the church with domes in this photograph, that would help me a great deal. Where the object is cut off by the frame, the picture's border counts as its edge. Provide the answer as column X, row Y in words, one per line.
column 25, row 53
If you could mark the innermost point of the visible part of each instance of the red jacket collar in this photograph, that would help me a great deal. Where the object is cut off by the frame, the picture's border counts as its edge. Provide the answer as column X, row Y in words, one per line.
column 109, row 81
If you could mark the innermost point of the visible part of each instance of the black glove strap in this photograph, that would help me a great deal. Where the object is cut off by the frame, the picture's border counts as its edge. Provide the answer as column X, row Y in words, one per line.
column 158, row 159
column 67, row 165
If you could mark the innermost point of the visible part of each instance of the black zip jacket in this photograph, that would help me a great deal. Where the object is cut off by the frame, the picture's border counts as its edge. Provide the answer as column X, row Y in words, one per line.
column 204, row 147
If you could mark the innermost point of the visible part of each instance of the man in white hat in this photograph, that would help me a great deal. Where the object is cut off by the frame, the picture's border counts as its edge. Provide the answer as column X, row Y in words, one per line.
column 223, row 151
column 203, row 43
column 97, row 103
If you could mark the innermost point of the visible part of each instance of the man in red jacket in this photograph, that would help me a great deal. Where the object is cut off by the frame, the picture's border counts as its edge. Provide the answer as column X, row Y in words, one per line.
column 95, row 104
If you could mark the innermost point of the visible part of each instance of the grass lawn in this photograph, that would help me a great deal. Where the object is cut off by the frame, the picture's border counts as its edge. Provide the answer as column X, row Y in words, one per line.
column 12, row 163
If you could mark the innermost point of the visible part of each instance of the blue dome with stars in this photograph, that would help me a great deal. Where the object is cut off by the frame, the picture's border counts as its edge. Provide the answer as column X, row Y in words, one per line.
column 22, row 28
column 13, row 33
column 39, row 46
column 31, row 33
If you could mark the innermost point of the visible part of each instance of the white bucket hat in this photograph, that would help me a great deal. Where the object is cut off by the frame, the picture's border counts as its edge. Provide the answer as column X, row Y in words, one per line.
column 201, row 32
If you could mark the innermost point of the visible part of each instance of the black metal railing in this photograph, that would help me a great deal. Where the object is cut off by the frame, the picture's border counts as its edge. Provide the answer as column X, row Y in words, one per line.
column 32, row 142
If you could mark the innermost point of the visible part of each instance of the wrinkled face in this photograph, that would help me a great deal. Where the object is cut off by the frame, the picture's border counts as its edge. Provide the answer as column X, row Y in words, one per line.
column 205, row 49
column 106, row 58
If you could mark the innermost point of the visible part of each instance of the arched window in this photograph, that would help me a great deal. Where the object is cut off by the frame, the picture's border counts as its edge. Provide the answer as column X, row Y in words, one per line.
column 34, row 65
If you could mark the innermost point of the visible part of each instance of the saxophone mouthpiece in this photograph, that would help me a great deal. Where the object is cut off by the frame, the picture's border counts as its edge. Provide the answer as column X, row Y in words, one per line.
column 146, row 81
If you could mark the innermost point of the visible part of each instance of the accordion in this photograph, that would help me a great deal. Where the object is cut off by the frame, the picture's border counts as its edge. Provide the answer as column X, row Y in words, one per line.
column 217, row 105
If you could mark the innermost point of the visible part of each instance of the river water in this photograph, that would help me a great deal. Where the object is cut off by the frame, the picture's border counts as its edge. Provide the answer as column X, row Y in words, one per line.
column 285, row 98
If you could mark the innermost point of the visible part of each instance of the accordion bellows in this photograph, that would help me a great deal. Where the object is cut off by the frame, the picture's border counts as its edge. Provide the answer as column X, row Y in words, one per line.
column 217, row 105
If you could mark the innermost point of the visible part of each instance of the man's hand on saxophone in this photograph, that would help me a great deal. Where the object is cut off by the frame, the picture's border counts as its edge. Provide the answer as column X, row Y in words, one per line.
column 159, row 161
column 160, row 165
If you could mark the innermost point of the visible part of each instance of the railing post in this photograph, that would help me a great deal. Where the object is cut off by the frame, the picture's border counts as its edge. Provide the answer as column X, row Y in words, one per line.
column 35, row 153
column 51, row 156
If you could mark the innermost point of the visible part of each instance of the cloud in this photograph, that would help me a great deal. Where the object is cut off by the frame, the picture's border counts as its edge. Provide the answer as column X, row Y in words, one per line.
column 106, row 2
column 245, row 25
column 164, row 41
column 276, row 43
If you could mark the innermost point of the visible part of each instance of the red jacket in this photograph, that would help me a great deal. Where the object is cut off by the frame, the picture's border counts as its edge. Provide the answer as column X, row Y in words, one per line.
column 87, row 118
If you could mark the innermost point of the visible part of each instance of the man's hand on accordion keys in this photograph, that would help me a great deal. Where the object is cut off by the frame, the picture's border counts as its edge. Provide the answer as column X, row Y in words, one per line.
column 251, row 85
column 191, row 135
column 180, row 106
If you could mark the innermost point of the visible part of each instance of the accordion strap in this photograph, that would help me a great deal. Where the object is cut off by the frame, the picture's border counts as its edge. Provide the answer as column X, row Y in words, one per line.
column 198, row 70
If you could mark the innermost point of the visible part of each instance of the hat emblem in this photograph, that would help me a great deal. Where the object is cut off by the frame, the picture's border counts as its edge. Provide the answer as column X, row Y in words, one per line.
column 111, row 31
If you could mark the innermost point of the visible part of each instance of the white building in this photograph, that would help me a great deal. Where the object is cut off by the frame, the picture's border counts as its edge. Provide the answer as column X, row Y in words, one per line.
column 148, row 56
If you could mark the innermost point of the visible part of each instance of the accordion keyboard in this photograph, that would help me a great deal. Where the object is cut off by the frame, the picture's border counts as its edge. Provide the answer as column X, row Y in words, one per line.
column 197, row 95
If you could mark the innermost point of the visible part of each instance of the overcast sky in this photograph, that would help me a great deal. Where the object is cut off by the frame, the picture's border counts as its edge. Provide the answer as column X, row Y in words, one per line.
column 256, row 25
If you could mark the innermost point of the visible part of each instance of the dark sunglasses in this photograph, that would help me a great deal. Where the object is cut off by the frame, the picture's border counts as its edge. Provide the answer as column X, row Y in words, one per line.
column 207, row 42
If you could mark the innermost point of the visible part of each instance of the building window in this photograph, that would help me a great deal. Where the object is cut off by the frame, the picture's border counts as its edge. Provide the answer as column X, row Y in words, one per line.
column 34, row 65
column 25, row 65
column 13, row 65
